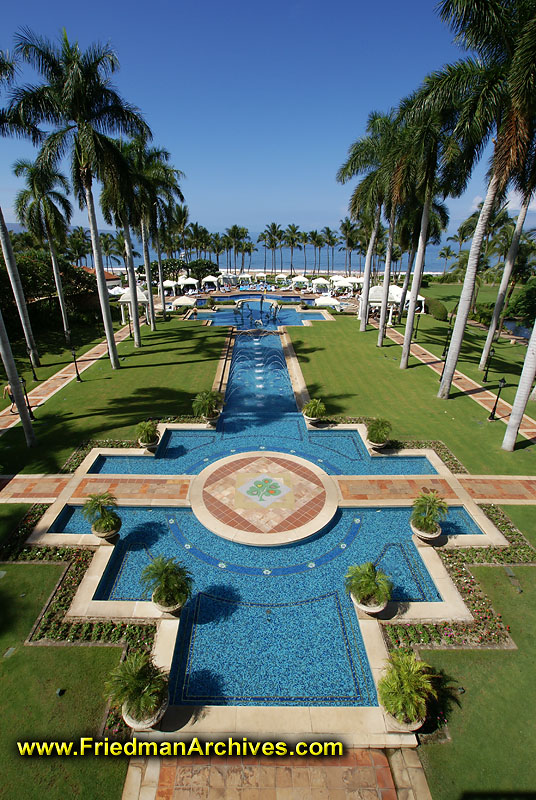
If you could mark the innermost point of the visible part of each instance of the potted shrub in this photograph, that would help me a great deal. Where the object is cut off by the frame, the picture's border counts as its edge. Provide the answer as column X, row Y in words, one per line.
column 141, row 689
column 404, row 691
column 169, row 582
column 369, row 588
column 428, row 510
column 313, row 410
column 378, row 432
column 207, row 404
column 99, row 509
column 147, row 434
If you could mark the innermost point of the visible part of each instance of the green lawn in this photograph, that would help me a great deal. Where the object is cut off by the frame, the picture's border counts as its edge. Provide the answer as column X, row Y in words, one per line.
column 160, row 379
column 354, row 377
column 506, row 363
column 10, row 515
column 525, row 519
column 492, row 747
column 31, row 708
column 449, row 293
column 53, row 353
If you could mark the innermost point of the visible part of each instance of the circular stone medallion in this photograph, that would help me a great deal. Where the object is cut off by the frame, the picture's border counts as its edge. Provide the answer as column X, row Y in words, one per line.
column 263, row 498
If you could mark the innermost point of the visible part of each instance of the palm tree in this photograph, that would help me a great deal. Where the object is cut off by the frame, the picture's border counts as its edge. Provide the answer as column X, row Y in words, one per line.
column 292, row 240
column 79, row 100
column 108, row 247
column 447, row 253
column 348, row 230
column 180, row 222
column 488, row 92
column 364, row 157
column 217, row 246
column 305, row 241
column 45, row 211
column 462, row 235
column 7, row 71
column 79, row 244
column 317, row 241
column 273, row 234
column 526, row 380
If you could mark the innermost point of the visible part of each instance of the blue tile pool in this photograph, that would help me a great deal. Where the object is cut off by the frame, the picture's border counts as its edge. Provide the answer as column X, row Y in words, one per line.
column 254, row 315
column 291, row 598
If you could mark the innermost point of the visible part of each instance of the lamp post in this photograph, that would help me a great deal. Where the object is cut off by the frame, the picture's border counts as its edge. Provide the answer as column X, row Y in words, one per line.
column 129, row 326
column 447, row 342
column 490, row 356
column 78, row 378
column 416, row 329
column 28, row 406
column 502, row 384
column 31, row 364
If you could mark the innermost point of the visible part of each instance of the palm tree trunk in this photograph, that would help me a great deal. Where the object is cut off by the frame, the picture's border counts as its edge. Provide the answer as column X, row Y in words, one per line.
column 386, row 278
column 160, row 276
column 508, row 267
column 59, row 287
column 368, row 262
column 16, row 285
column 14, row 381
column 101, row 281
column 148, row 276
column 132, row 284
column 416, row 282
column 522, row 395
column 467, row 290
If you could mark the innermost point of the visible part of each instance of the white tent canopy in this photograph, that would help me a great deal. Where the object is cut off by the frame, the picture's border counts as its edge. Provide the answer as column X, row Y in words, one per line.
column 170, row 284
column 327, row 301
column 188, row 282
column 210, row 279
column 115, row 291
column 300, row 279
column 260, row 274
column 141, row 297
column 342, row 283
column 320, row 281
column 183, row 301
column 394, row 297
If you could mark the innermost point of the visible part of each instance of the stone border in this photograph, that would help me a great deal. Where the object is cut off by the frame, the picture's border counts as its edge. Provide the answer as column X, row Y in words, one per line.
column 213, row 524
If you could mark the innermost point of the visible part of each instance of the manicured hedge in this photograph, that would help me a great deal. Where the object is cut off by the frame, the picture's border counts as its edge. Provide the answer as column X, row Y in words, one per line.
column 436, row 309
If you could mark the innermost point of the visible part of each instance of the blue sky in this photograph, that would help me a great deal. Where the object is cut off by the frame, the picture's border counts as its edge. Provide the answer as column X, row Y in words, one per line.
column 257, row 102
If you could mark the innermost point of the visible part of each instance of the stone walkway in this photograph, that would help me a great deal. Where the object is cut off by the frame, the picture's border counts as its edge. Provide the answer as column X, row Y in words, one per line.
column 358, row 775
column 478, row 393
column 507, row 489
column 46, row 389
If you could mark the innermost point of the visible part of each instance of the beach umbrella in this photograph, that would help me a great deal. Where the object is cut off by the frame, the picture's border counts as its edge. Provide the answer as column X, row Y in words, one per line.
column 183, row 301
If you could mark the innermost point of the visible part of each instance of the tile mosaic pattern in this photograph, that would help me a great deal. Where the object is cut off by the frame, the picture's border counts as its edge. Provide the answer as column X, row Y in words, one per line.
column 223, row 498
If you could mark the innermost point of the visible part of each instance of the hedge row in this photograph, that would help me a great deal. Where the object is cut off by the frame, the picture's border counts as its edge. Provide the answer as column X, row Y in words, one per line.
column 437, row 309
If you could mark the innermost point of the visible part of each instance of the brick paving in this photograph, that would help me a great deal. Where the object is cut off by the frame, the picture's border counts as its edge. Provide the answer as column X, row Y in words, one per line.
column 46, row 389
column 359, row 775
column 468, row 386
column 156, row 487
column 372, row 488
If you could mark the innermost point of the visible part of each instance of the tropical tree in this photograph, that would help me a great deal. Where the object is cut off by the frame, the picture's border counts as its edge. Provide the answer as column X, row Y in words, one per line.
column 292, row 240
column 317, row 240
column 304, row 241
column 78, row 99
column 217, row 246
column 109, row 248
column 45, row 211
column 528, row 373
column 348, row 231
column 492, row 99
column 7, row 71
column 330, row 240
column 79, row 243
column 447, row 253
column 364, row 157
column 273, row 233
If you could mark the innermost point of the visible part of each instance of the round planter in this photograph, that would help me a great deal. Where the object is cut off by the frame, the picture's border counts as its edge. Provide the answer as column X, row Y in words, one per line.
column 377, row 445
column 367, row 608
column 145, row 724
column 106, row 534
column 424, row 535
column 151, row 446
column 211, row 420
column 401, row 727
column 311, row 420
column 167, row 609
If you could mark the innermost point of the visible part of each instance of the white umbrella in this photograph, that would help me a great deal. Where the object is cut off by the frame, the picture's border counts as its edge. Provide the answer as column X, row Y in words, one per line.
column 141, row 297
column 183, row 301
column 326, row 301
column 116, row 291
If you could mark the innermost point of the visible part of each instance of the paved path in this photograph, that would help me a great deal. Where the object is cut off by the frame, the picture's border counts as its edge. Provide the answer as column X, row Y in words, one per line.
column 46, row 389
column 359, row 774
column 508, row 489
column 478, row 393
